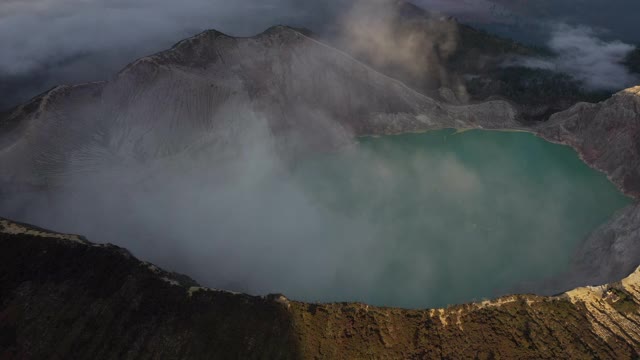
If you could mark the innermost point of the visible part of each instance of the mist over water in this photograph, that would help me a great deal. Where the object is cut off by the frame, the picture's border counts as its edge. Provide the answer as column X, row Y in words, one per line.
column 458, row 217
column 417, row 221
column 238, row 203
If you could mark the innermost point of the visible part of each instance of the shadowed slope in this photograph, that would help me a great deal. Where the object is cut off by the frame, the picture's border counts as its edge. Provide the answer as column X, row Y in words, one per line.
column 63, row 297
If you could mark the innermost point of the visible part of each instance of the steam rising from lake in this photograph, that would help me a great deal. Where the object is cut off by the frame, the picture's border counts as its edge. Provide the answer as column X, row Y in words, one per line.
column 414, row 220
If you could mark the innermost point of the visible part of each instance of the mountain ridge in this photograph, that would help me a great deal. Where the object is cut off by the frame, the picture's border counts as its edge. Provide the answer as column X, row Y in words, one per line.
column 278, row 82
column 224, row 324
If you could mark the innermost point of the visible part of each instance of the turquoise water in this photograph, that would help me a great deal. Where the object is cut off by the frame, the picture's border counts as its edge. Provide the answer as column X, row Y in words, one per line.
column 451, row 218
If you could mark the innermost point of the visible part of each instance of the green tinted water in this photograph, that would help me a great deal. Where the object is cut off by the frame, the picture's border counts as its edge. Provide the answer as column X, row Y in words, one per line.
column 452, row 218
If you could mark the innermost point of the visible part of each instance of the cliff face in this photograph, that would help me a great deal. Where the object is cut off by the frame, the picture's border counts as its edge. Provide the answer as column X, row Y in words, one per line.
column 606, row 134
column 63, row 297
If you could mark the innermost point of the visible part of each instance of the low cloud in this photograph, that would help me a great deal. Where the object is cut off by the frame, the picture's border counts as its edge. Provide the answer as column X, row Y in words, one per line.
column 583, row 54
column 42, row 32
column 50, row 42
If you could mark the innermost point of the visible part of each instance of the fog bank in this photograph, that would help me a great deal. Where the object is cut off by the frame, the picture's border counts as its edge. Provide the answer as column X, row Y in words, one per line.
column 582, row 53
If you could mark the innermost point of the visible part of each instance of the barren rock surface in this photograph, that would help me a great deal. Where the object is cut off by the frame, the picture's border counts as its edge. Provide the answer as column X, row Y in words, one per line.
column 607, row 136
column 61, row 298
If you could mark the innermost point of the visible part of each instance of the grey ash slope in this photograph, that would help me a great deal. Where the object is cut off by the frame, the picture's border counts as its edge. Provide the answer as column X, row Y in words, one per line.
column 307, row 92
column 607, row 135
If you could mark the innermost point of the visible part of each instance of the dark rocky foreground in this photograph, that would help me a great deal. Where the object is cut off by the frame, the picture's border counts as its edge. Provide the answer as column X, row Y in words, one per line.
column 62, row 297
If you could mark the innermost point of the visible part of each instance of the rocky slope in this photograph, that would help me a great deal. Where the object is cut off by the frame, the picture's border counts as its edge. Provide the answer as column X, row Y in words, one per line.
column 63, row 297
column 309, row 94
column 196, row 97
column 606, row 134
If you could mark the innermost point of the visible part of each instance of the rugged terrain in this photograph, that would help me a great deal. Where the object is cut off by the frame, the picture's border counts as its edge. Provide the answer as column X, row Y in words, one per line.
column 606, row 135
column 310, row 95
column 196, row 97
column 104, row 303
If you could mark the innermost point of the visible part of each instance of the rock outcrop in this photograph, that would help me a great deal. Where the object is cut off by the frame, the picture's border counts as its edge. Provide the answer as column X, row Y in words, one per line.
column 606, row 135
column 63, row 297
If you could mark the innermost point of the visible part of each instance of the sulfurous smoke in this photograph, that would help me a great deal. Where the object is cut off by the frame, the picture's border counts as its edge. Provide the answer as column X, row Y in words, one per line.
column 413, row 49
